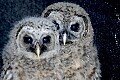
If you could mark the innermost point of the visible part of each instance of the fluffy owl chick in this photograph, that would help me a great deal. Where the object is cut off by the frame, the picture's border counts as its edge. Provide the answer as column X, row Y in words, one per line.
column 71, row 20
column 26, row 55
column 74, row 27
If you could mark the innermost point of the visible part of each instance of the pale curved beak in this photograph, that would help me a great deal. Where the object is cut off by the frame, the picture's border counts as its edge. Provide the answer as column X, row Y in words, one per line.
column 64, row 38
column 37, row 50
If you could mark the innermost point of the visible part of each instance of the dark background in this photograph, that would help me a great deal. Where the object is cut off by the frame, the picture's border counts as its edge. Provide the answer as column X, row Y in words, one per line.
column 105, row 18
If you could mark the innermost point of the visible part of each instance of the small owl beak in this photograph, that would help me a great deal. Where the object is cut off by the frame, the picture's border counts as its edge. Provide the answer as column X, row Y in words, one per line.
column 64, row 38
column 37, row 50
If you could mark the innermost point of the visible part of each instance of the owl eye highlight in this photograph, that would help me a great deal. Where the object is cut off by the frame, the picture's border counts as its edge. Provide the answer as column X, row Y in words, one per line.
column 75, row 27
column 28, row 40
column 46, row 39
column 56, row 25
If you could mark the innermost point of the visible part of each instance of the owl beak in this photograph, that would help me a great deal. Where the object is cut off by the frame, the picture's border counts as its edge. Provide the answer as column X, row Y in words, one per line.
column 37, row 50
column 64, row 38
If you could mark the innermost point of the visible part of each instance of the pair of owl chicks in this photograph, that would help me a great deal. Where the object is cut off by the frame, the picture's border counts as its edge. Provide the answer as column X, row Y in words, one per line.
column 58, row 46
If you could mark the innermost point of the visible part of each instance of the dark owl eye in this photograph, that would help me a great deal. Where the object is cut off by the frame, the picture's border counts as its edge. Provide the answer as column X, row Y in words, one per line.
column 56, row 25
column 75, row 27
column 28, row 40
column 46, row 39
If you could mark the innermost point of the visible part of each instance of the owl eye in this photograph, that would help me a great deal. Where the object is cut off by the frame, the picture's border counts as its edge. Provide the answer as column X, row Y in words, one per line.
column 56, row 25
column 28, row 40
column 46, row 39
column 75, row 27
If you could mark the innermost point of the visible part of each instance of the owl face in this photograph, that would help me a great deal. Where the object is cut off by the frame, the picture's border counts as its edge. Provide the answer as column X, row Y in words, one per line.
column 37, row 39
column 70, row 24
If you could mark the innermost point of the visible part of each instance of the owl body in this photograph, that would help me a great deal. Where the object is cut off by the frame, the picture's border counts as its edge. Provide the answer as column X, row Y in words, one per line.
column 33, row 41
column 79, row 53
column 68, row 65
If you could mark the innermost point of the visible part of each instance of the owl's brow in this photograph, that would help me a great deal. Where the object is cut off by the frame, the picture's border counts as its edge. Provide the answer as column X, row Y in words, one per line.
column 50, row 10
column 21, row 26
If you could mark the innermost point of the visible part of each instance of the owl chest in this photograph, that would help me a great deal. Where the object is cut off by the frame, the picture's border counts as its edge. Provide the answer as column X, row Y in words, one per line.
column 65, row 68
column 61, row 67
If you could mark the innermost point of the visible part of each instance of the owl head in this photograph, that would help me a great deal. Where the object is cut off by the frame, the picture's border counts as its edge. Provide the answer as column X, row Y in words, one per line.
column 71, row 21
column 34, row 38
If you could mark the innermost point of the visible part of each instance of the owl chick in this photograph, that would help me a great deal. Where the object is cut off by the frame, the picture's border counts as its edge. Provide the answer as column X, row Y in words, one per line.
column 78, row 53
column 33, row 41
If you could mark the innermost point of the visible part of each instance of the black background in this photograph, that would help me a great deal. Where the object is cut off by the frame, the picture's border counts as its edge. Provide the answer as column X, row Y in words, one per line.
column 105, row 18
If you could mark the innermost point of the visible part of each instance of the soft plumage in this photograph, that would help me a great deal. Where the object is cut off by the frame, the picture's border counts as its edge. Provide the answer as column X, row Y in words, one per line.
column 33, row 41
column 79, row 53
